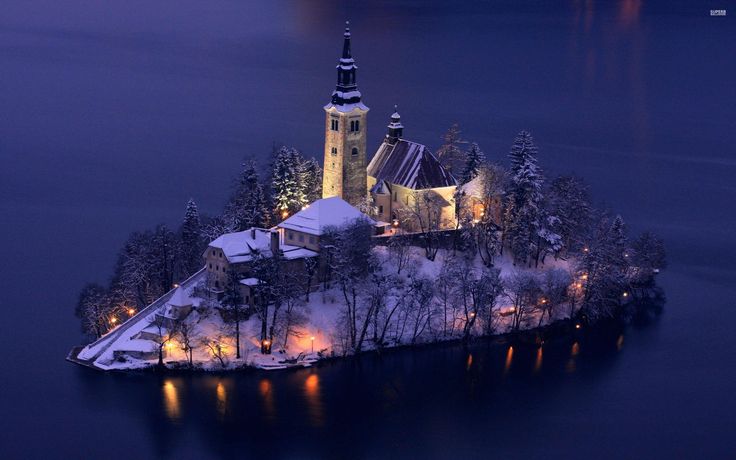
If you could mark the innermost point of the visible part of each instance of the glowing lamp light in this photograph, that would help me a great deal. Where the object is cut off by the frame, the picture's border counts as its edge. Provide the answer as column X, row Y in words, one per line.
column 626, row 294
column 586, row 249
column 395, row 223
column 285, row 214
column 578, row 285
column 176, row 285
column 472, row 314
column 312, row 339
column 131, row 311
column 577, row 326
column 585, row 277
column 113, row 320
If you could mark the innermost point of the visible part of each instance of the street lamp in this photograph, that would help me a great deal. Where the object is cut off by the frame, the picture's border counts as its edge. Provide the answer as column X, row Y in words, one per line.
column 312, row 339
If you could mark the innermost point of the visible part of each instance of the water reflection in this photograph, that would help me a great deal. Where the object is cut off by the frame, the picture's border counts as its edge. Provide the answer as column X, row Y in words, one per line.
column 469, row 362
column 620, row 342
column 221, row 399
column 509, row 359
column 265, row 388
column 314, row 400
column 171, row 401
column 571, row 363
column 538, row 360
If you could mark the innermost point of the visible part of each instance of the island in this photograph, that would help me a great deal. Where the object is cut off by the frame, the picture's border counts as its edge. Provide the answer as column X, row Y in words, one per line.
column 310, row 262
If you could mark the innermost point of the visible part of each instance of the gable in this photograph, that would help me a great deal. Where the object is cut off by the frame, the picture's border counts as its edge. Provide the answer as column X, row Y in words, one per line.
column 410, row 165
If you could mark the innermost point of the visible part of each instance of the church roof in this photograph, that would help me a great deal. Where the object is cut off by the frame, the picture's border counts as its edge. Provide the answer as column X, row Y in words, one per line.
column 410, row 165
column 238, row 247
column 327, row 212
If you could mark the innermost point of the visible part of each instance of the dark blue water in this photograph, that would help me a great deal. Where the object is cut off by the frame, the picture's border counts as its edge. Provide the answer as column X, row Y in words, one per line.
column 113, row 114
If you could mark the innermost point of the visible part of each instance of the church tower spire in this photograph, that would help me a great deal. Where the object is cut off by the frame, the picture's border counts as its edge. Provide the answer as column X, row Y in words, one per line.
column 345, row 133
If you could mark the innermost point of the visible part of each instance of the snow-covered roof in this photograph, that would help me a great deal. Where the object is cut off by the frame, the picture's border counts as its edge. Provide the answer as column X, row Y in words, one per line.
column 249, row 281
column 327, row 212
column 296, row 252
column 345, row 108
column 238, row 247
column 381, row 188
column 180, row 298
column 473, row 188
column 410, row 165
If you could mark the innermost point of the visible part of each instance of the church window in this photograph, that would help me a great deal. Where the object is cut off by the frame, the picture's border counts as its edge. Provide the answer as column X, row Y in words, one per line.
column 334, row 151
column 357, row 125
column 396, row 196
column 352, row 126
column 210, row 266
column 335, row 125
column 354, row 152
column 380, row 209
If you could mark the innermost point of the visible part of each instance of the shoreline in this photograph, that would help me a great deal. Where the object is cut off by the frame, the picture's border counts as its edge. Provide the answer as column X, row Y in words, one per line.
column 537, row 336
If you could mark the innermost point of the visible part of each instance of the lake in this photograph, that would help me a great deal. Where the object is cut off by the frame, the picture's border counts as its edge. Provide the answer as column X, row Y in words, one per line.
column 114, row 114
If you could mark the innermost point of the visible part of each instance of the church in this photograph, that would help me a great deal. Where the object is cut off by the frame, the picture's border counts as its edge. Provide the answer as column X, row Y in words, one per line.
column 400, row 170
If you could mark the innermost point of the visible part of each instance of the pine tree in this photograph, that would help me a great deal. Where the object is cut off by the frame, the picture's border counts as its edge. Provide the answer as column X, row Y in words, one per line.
column 568, row 201
column 311, row 181
column 191, row 240
column 474, row 159
column 248, row 205
column 522, row 215
column 288, row 194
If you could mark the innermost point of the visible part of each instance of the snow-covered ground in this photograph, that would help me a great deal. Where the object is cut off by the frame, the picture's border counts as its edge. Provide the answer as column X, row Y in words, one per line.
column 134, row 344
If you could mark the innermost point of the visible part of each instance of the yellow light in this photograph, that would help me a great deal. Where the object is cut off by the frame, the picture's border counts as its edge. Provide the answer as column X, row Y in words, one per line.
column 585, row 249
column 472, row 314
column 585, row 277
column 544, row 301
column 579, row 285
column 266, row 342
column 312, row 338
column 131, row 311
column 395, row 223
column 176, row 285
column 577, row 326
column 113, row 320
column 626, row 294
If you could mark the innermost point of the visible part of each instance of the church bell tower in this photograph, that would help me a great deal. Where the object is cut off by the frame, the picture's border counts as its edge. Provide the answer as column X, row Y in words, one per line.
column 345, row 135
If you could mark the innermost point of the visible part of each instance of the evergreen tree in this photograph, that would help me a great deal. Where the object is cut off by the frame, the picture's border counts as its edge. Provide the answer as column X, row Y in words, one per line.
column 474, row 159
column 288, row 194
column 191, row 240
column 248, row 205
column 568, row 201
column 311, row 181
column 522, row 214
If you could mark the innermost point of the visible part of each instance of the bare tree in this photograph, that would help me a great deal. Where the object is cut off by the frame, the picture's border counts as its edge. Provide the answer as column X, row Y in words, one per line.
column 399, row 250
column 555, row 285
column 188, row 337
column 232, row 303
column 424, row 212
column 166, row 329
column 524, row 292
column 214, row 345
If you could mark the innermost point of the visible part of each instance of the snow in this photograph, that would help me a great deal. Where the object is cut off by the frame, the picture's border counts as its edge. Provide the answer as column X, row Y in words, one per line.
column 324, row 310
column 295, row 252
column 249, row 281
column 473, row 188
column 324, row 213
column 238, row 247
column 345, row 108
column 180, row 298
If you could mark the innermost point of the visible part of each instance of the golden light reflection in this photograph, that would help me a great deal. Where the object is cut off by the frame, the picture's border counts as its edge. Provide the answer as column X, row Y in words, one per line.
column 265, row 388
column 469, row 362
column 538, row 361
column 221, row 398
column 509, row 360
column 574, row 351
column 628, row 13
column 313, row 398
column 620, row 342
column 171, row 400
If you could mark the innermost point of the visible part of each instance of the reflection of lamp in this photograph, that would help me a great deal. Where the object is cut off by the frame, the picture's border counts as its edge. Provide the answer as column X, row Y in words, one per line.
column 312, row 339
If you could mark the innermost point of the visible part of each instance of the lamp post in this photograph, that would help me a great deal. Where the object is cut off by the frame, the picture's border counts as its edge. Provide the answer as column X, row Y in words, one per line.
column 312, row 339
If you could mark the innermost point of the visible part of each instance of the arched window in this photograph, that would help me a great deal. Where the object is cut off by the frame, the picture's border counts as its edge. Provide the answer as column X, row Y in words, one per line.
column 334, row 151
column 357, row 125
column 354, row 152
column 352, row 126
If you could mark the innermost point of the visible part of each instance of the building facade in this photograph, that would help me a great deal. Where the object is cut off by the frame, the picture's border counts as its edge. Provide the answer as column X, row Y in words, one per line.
column 344, row 172
column 406, row 182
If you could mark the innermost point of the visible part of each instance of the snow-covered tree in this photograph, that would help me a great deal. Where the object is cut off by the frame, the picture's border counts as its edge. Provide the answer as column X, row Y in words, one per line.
column 288, row 195
column 567, row 200
column 192, row 243
column 95, row 309
column 474, row 160
column 523, row 199
column 646, row 258
column 311, row 180
column 450, row 154
column 603, row 268
column 248, row 206
column 524, row 291
column 555, row 283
